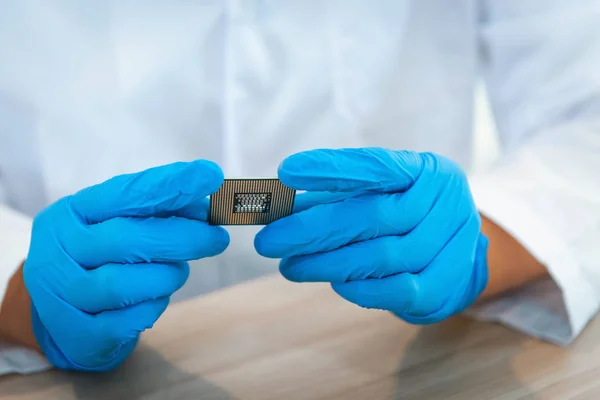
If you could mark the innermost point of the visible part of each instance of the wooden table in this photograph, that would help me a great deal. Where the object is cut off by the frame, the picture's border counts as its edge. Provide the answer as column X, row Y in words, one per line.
column 271, row 339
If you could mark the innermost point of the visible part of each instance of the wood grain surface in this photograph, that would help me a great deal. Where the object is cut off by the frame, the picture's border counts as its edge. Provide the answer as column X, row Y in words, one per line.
column 271, row 339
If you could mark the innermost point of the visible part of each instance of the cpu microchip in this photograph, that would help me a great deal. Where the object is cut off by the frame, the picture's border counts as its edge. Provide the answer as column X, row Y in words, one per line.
column 250, row 202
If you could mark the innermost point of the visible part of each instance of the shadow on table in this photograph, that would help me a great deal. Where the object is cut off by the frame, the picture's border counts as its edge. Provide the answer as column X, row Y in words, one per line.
column 146, row 375
column 440, row 364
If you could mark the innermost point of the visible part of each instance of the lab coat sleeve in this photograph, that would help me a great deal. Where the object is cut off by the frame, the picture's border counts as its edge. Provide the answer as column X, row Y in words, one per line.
column 541, row 63
column 14, row 242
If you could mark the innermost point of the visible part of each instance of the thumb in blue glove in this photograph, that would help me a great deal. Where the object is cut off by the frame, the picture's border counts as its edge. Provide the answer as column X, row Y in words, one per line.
column 392, row 230
column 104, row 262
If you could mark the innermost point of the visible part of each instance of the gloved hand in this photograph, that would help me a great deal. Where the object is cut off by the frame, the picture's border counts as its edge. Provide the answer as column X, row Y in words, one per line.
column 104, row 262
column 392, row 230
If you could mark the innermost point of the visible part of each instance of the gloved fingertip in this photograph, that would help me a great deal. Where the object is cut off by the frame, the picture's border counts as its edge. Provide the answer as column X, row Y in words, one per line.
column 265, row 245
column 143, row 316
column 290, row 169
column 287, row 270
column 220, row 240
column 397, row 293
column 261, row 243
column 347, row 291
column 160, row 306
column 184, row 272
column 294, row 162
column 209, row 175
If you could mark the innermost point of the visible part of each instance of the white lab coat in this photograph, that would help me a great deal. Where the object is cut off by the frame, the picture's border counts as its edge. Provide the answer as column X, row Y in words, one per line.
column 89, row 90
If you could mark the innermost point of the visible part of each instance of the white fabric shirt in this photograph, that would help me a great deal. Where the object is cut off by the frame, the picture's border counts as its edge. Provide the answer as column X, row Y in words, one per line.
column 89, row 90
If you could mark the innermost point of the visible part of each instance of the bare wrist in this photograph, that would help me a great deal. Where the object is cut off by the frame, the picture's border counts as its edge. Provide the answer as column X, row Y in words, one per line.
column 510, row 265
column 15, row 314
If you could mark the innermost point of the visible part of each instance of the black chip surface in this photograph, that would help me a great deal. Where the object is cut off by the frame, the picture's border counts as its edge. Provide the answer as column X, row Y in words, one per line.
column 251, row 203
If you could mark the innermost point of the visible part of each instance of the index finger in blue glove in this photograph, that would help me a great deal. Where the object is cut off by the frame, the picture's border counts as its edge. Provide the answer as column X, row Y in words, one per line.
column 150, row 192
column 347, row 170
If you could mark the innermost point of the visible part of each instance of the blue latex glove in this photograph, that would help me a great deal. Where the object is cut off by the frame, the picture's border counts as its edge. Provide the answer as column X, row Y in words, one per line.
column 392, row 230
column 103, row 262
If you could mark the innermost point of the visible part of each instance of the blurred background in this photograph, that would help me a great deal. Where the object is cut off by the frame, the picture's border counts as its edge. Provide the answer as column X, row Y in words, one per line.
column 486, row 148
